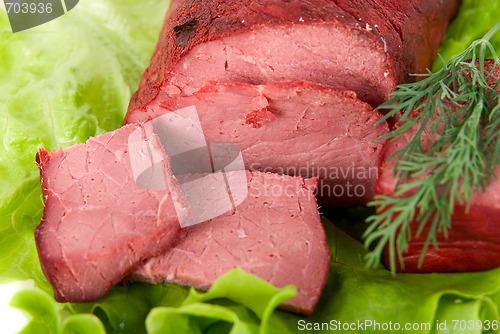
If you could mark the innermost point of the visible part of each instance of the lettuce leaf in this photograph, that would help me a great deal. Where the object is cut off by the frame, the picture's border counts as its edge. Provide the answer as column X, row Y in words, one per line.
column 45, row 315
column 354, row 293
column 61, row 83
column 239, row 303
column 474, row 19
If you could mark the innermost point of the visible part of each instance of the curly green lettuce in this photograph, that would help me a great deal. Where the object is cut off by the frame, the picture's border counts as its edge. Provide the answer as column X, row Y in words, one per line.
column 239, row 303
column 61, row 83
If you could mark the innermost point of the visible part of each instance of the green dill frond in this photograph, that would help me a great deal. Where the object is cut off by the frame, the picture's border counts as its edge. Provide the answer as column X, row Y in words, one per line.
column 456, row 106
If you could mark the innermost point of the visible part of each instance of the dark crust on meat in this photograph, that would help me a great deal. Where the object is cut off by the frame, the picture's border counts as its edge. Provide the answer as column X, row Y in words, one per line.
column 412, row 30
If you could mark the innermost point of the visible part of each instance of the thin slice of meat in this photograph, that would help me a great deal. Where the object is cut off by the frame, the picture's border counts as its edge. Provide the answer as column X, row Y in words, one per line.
column 473, row 242
column 97, row 223
column 293, row 128
column 275, row 233
column 365, row 46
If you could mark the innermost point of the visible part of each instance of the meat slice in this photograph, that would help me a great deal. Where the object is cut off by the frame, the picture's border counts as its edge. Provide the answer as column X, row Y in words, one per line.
column 97, row 223
column 365, row 46
column 293, row 128
column 275, row 234
column 473, row 242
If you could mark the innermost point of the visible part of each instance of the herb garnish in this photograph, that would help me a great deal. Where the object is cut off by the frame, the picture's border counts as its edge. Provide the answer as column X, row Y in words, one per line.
column 456, row 105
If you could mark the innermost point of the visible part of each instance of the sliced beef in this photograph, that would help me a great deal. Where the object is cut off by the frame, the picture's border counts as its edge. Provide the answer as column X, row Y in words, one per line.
column 473, row 242
column 293, row 128
column 365, row 46
column 275, row 234
column 97, row 223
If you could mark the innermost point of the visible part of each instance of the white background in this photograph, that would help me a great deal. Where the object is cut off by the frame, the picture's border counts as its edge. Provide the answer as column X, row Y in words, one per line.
column 11, row 320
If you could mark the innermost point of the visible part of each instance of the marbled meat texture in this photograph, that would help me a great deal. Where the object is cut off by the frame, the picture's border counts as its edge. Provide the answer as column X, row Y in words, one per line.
column 97, row 224
column 294, row 128
column 275, row 234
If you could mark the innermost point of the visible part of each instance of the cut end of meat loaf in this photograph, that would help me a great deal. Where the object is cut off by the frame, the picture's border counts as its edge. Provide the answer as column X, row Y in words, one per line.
column 365, row 46
column 293, row 53
column 292, row 128
column 97, row 224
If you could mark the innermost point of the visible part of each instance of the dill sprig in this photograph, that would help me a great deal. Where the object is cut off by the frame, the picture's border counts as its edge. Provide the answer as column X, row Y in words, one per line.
column 460, row 111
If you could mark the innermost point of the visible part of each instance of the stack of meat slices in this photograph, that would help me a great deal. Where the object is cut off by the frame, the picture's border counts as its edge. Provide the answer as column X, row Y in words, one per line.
column 98, row 224
column 293, row 84
column 294, row 128
column 366, row 47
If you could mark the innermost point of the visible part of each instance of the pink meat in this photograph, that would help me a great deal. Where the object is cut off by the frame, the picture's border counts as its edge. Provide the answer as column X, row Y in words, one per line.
column 365, row 46
column 97, row 224
column 293, row 128
column 275, row 234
